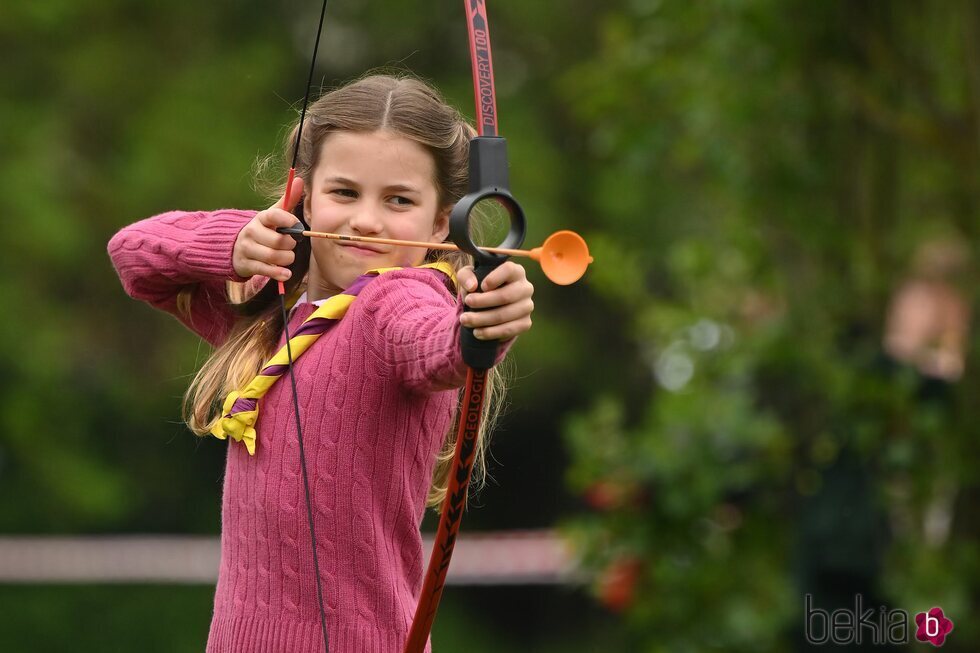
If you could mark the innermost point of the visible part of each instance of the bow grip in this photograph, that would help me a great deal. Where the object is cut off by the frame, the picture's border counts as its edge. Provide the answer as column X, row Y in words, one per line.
column 488, row 182
column 478, row 354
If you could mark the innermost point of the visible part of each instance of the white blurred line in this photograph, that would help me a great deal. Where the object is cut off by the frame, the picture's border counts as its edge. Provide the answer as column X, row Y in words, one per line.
column 501, row 558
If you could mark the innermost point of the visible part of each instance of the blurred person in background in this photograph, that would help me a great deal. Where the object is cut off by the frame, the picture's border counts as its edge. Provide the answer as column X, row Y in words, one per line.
column 929, row 316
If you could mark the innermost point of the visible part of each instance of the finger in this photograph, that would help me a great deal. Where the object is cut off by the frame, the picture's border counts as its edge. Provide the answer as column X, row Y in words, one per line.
column 291, row 196
column 504, row 331
column 506, row 272
column 269, row 237
column 509, row 294
column 502, row 315
column 276, row 217
column 271, row 271
column 250, row 267
column 262, row 254
column 466, row 280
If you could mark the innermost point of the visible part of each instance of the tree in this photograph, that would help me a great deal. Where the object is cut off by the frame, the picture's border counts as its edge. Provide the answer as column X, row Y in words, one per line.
column 787, row 159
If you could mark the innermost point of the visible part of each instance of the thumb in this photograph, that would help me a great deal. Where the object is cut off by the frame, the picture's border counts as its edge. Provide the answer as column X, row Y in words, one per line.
column 291, row 196
column 466, row 280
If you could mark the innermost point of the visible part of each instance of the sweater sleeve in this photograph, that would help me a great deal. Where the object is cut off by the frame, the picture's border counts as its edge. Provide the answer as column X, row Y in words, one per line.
column 411, row 321
column 161, row 256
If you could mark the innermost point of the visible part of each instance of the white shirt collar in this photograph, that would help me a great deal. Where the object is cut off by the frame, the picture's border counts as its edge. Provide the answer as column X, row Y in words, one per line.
column 304, row 298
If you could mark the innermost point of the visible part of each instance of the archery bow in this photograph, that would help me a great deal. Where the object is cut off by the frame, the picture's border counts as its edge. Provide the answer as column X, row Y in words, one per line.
column 564, row 257
column 488, row 181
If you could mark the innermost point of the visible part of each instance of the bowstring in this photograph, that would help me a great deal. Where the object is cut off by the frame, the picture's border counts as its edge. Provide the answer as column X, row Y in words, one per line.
column 289, row 351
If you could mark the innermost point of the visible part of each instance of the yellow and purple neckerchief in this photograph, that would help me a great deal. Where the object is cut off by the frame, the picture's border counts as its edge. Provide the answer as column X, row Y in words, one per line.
column 241, row 408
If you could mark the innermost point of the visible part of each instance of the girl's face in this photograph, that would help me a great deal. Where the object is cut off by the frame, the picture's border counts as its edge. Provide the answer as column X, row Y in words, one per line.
column 370, row 184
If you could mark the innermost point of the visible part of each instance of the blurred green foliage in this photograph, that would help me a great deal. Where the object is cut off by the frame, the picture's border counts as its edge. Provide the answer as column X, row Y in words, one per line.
column 753, row 178
column 764, row 172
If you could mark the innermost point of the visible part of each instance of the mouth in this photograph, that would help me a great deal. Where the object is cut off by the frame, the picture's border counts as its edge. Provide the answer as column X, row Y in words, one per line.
column 361, row 250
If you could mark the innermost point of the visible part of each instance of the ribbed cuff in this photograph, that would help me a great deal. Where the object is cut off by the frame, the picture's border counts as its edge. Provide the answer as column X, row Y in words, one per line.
column 207, row 253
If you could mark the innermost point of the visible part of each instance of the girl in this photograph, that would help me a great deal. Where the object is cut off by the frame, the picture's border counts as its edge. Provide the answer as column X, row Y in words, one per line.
column 377, row 392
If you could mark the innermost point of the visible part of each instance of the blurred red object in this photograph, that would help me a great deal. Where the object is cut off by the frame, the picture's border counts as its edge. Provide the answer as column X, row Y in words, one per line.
column 609, row 495
column 617, row 584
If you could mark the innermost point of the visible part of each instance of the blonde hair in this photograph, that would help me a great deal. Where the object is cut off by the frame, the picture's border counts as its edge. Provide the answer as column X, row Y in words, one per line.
column 402, row 105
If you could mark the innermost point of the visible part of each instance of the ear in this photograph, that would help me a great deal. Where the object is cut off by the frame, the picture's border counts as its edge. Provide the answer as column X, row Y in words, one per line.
column 307, row 210
column 440, row 228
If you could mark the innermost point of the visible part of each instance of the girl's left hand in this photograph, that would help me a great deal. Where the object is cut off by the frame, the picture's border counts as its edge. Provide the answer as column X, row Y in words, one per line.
column 506, row 294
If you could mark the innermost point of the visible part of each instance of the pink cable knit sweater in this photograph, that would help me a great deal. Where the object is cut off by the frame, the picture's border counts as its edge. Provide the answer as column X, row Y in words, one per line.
column 377, row 395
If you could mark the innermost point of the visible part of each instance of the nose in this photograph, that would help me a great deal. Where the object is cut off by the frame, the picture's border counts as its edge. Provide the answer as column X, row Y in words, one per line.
column 364, row 219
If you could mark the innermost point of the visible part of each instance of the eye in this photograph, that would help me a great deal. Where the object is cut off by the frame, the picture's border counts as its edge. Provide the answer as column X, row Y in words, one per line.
column 344, row 192
column 401, row 200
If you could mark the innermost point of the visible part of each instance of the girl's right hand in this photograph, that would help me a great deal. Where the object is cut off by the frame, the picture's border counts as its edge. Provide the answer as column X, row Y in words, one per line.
column 259, row 248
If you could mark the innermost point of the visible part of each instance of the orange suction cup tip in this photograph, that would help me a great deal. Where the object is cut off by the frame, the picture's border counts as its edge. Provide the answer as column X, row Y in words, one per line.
column 564, row 257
